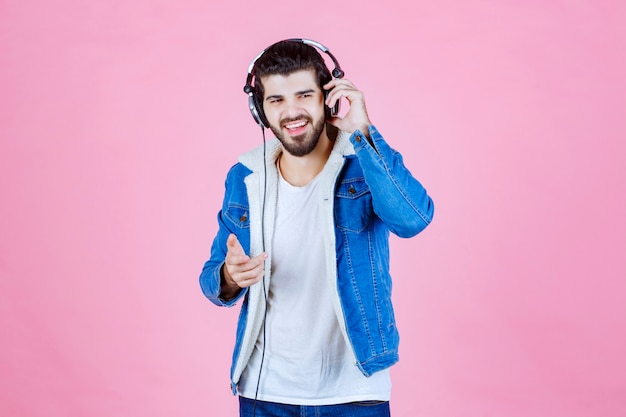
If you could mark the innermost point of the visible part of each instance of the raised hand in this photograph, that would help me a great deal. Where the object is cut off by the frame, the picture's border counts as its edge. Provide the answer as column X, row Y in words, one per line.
column 240, row 270
column 356, row 117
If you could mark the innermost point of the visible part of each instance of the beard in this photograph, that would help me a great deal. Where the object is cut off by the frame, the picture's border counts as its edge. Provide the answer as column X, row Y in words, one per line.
column 302, row 144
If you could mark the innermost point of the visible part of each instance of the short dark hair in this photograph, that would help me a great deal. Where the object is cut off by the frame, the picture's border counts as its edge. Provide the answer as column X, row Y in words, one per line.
column 287, row 57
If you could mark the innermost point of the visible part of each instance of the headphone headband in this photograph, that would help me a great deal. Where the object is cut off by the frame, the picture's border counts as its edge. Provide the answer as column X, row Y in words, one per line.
column 256, row 108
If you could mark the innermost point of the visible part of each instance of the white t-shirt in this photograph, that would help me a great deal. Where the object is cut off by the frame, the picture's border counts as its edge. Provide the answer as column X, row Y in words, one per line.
column 307, row 360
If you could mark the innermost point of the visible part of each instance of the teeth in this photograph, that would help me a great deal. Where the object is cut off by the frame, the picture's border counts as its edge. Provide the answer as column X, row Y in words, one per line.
column 295, row 125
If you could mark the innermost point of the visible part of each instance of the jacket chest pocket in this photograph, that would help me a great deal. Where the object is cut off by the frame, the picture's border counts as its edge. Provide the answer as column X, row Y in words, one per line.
column 238, row 215
column 353, row 205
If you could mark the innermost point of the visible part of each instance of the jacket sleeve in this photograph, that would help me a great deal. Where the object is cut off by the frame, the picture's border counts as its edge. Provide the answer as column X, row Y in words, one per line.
column 210, row 277
column 398, row 199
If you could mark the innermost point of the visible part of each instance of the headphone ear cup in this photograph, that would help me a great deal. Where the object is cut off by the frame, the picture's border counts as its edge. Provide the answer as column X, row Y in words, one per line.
column 330, row 111
column 327, row 110
column 257, row 111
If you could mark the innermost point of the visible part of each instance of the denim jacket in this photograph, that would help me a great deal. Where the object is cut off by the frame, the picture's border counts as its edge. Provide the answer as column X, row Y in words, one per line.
column 369, row 192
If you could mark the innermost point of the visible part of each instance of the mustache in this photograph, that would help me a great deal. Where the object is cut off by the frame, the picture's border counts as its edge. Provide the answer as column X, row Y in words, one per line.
column 286, row 120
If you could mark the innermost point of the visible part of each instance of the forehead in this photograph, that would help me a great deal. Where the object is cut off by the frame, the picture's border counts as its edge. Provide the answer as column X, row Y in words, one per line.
column 278, row 84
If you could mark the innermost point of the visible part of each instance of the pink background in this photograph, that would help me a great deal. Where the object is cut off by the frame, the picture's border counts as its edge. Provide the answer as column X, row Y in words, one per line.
column 119, row 119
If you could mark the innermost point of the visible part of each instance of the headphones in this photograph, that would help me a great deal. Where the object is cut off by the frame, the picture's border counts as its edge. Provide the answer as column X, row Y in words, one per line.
column 256, row 108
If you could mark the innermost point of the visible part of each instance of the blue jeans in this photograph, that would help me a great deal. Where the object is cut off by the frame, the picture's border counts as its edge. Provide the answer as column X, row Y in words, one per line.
column 356, row 409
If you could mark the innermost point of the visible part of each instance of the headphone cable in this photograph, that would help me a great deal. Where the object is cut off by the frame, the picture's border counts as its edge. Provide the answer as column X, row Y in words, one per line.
column 258, row 382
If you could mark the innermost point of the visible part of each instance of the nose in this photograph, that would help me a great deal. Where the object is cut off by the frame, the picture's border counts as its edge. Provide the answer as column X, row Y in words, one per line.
column 292, row 108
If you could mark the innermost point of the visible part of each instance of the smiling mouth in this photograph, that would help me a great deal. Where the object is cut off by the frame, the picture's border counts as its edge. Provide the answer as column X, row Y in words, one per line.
column 296, row 127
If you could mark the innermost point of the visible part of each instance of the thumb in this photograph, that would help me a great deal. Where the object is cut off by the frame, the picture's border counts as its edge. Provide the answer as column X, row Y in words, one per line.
column 233, row 245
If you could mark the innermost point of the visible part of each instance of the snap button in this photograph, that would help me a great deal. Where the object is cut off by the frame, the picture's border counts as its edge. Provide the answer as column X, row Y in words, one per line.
column 358, row 138
column 243, row 218
column 352, row 190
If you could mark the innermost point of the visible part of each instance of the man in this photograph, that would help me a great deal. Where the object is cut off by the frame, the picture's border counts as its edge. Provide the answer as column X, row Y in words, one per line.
column 303, row 240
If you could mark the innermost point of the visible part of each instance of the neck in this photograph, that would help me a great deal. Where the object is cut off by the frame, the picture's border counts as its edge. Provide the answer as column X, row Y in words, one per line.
column 300, row 170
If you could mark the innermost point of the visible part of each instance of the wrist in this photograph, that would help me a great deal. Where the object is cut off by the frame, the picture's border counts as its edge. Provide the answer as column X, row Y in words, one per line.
column 228, row 288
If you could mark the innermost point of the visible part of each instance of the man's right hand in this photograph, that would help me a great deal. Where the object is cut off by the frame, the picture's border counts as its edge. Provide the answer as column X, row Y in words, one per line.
column 240, row 271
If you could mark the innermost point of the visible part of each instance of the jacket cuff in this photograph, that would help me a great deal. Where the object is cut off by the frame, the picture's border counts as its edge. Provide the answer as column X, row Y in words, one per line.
column 358, row 139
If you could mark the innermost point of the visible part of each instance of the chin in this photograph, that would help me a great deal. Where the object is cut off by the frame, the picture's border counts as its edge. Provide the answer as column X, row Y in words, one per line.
column 299, row 147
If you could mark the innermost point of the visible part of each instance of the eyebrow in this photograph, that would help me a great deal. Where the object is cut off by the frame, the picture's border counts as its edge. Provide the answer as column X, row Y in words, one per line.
column 298, row 93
